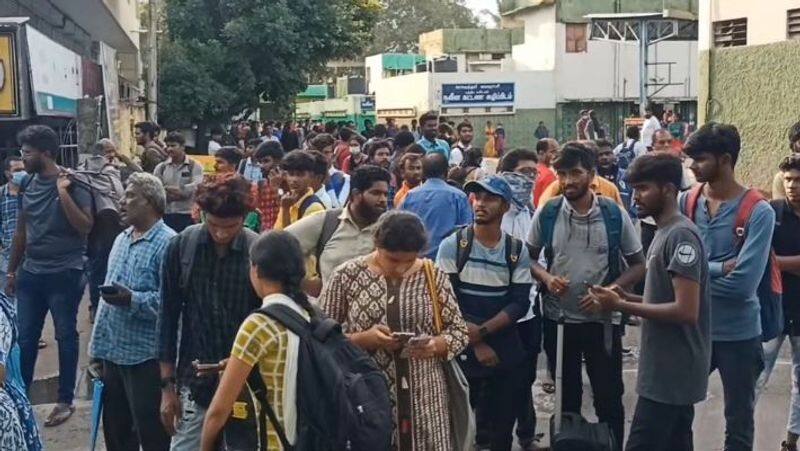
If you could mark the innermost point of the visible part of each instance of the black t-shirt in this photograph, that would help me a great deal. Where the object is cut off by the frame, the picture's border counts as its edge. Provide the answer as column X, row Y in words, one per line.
column 786, row 243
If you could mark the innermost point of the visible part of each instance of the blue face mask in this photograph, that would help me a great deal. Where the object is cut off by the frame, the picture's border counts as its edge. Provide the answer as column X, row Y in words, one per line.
column 18, row 177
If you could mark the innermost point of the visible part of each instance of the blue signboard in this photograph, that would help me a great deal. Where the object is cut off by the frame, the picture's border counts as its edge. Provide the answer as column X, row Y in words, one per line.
column 478, row 94
column 367, row 104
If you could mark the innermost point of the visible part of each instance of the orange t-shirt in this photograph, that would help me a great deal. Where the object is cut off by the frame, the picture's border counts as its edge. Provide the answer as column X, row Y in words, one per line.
column 543, row 180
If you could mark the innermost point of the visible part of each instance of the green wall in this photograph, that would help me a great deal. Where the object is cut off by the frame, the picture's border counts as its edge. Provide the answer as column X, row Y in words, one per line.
column 756, row 89
column 519, row 127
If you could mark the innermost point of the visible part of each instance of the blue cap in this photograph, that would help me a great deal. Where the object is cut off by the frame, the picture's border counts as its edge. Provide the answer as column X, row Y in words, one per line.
column 493, row 184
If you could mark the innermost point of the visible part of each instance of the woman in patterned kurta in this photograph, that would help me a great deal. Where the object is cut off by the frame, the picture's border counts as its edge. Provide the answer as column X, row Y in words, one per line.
column 387, row 292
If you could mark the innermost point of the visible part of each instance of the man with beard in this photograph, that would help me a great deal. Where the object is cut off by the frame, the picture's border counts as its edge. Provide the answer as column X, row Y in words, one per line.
column 380, row 154
column 676, row 333
column 180, row 175
column 778, row 191
column 465, row 136
column 429, row 122
column 124, row 337
column 584, row 237
column 411, row 173
column 152, row 152
column 490, row 273
column 609, row 169
column 341, row 235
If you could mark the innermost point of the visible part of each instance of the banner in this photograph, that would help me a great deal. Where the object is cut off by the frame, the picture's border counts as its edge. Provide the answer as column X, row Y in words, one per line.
column 8, row 71
column 367, row 104
column 55, row 76
column 478, row 94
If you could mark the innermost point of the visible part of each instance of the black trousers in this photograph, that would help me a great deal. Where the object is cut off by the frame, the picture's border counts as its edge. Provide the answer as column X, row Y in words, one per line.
column 97, row 267
column 494, row 399
column 586, row 341
column 531, row 333
column 661, row 427
column 131, row 407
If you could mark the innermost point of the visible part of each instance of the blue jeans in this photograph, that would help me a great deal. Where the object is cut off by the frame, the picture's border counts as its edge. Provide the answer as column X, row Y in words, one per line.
column 59, row 293
column 190, row 428
column 739, row 364
column 771, row 350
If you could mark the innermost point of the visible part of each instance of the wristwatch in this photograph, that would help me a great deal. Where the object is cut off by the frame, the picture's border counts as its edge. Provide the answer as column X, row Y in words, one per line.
column 483, row 332
column 167, row 381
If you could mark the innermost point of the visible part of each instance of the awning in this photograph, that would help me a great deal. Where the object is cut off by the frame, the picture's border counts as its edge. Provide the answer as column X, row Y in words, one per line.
column 97, row 18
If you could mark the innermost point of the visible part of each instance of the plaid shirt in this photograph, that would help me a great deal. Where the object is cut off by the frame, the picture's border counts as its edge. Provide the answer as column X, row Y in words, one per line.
column 127, row 335
column 218, row 298
column 9, row 207
column 267, row 202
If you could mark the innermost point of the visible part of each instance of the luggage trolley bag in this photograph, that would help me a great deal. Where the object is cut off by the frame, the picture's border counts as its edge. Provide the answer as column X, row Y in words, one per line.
column 570, row 431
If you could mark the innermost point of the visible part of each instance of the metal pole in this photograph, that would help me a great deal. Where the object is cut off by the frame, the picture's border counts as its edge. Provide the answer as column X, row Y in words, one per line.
column 643, row 44
column 152, row 61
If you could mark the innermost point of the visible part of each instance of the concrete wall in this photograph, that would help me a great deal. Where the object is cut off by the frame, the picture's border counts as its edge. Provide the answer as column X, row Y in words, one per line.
column 538, row 51
column 404, row 92
column 519, row 127
column 474, row 40
column 756, row 89
column 766, row 21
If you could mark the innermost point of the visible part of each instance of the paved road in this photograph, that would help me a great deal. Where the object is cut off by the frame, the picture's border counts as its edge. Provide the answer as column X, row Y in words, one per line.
column 772, row 411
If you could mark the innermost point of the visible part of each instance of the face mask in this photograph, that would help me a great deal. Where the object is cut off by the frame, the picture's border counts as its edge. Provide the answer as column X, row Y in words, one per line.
column 355, row 150
column 521, row 189
column 18, row 177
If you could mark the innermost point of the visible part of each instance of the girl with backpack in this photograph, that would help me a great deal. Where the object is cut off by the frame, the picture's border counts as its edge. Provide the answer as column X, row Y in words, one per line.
column 402, row 310
column 277, row 270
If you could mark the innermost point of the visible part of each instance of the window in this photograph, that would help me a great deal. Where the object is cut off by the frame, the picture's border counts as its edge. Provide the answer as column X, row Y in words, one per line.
column 576, row 37
column 793, row 24
column 730, row 33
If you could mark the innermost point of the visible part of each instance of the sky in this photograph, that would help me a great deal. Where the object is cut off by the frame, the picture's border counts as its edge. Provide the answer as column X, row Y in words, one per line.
column 478, row 5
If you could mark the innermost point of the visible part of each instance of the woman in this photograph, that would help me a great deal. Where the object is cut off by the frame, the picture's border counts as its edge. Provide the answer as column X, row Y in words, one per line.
column 357, row 156
column 18, row 429
column 489, row 149
column 276, row 271
column 379, row 297
column 500, row 140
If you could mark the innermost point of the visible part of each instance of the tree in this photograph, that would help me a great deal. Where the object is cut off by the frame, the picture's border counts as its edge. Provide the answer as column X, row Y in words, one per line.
column 402, row 21
column 221, row 57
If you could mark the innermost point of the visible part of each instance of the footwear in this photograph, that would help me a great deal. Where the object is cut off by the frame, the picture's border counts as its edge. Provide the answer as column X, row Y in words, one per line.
column 60, row 413
column 42, row 344
column 548, row 387
column 788, row 446
column 92, row 313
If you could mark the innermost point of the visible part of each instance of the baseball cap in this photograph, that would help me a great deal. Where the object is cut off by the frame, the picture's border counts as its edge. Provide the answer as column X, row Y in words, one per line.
column 493, row 184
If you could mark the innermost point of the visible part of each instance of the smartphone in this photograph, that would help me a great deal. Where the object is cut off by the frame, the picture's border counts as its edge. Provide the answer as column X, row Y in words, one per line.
column 108, row 289
column 419, row 340
column 403, row 336
column 588, row 284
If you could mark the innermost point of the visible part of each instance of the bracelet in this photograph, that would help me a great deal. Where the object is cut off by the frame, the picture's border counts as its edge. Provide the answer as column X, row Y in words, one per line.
column 11, row 275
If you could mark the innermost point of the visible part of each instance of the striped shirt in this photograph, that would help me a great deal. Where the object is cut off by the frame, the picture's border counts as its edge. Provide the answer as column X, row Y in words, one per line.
column 127, row 335
column 9, row 207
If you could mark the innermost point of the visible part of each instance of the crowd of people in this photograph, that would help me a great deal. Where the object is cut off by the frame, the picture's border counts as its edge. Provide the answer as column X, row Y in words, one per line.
column 404, row 238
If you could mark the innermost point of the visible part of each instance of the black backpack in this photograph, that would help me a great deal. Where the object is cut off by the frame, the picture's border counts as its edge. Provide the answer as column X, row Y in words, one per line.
column 626, row 155
column 342, row 396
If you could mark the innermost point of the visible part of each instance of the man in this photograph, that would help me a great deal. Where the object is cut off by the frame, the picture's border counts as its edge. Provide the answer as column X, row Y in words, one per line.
column 249, row 168
column 125, row 334
column 50, row 244
column 337, row 183
column 180, row 175
column 609, row 169
column 14, row 170
column 676, row 338
column 368, row 132
column 580, row 126
column 268, row 132
column 598, row 185
column 215, row 143
column 585, row 237
column 631, row 148
column 541, row 132
column 736, row 271
column 778, row 191
column 120, row 161
column 152, row 153
column 341, row 152
column 299, row 201
column 664, row 142
column 518, row 169
column 429, row 122
column 650, row 125
column 350, row 228
column 547, row 152
column 492, row 281
column 320, row 176
column 268, row 156
column 441, row 207
column 226, row 160
column 411, row 172
column 465, row 136
column 787, row 249
column 380, row 154
column 204, row 300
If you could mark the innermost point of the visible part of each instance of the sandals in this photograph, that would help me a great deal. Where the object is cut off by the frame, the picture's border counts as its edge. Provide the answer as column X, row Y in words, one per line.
column 59, row 414
column 548, row 387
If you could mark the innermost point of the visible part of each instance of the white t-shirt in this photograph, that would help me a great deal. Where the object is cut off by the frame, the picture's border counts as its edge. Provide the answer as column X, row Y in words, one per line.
column 648, row 128
column 213, row 147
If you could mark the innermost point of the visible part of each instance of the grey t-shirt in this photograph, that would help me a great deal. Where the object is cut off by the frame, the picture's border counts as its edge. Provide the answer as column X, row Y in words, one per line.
column 52, row 244
column 580, row 254
column 675, row 359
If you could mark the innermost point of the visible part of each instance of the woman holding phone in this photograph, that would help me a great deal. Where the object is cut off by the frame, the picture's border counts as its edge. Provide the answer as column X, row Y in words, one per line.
column 385, row 306
column 277, row 269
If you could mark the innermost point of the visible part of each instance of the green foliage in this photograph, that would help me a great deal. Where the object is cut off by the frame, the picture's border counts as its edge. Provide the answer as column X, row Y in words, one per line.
column 402, row 21
column 220, row 55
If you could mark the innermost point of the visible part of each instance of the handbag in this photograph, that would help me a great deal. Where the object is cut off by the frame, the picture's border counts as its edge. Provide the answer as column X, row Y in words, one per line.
column 462, row 418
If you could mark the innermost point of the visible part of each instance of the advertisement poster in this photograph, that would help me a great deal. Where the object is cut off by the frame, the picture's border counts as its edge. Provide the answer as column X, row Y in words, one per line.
column 9, row 99
column 55, row 76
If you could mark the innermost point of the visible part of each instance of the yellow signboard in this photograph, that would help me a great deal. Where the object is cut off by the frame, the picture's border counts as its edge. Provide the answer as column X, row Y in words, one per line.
column 8, row 82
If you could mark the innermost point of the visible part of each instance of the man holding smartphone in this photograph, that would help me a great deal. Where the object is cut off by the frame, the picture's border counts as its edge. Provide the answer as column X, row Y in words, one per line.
column 125, row 331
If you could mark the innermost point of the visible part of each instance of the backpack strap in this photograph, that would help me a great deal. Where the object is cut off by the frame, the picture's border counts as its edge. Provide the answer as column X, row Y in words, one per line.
column 692, row 198
column 612, row 218
column 547, row 222
column 513, row 251
column 751, row 198
column 464, row 238
column 308, row 202
column 329, row 226
column 259, row 390
column 242, row 165
column 187, row 247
